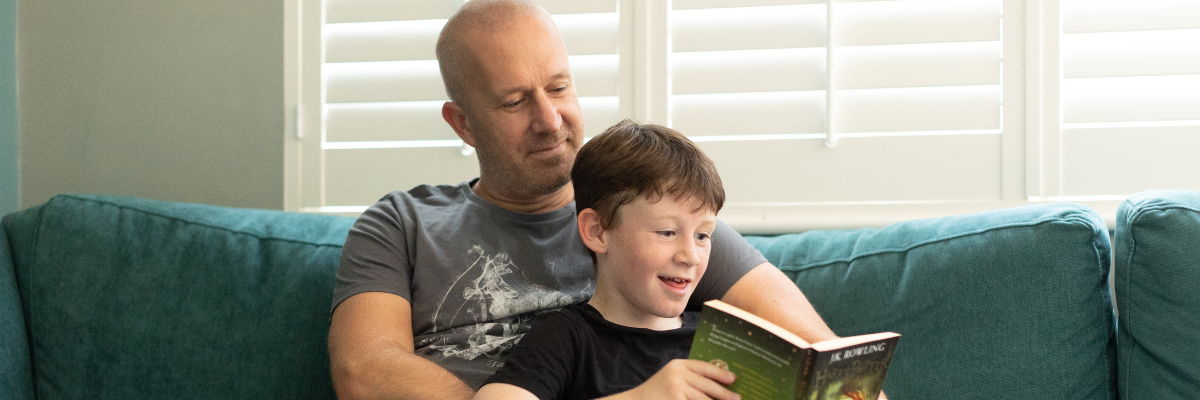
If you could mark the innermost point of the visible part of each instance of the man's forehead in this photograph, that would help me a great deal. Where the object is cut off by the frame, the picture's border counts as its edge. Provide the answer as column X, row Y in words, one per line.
column 535, row 54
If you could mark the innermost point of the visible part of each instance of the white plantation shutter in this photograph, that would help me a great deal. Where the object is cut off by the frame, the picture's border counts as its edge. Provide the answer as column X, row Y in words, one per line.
column 939, row 107
column 917, row 100
column 381, row 127
column 1130, row 94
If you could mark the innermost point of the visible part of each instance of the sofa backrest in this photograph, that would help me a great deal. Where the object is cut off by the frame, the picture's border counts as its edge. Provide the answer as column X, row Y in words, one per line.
column 1010, row 304
column 136, row 298
column 1158, row 295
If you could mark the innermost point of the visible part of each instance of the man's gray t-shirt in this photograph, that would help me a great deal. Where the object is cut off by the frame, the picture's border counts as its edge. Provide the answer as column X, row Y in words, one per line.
column 476, row 274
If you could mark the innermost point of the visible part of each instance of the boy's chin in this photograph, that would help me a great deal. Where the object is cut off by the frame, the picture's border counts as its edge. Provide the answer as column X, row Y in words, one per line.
column 673, row 311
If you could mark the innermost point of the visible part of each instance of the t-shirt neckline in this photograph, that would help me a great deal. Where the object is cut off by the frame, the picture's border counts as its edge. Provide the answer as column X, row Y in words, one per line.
column 564, row 211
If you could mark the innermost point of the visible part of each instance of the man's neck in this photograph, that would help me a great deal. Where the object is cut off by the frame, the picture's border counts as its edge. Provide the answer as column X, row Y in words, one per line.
column 526, row 204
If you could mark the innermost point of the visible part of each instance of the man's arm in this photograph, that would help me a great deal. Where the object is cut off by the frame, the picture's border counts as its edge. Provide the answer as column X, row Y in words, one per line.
column 767, row 292
column 372, row 356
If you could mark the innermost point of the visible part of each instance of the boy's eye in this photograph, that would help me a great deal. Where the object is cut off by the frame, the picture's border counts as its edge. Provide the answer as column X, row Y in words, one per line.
column 703, row 236
column 666, row 233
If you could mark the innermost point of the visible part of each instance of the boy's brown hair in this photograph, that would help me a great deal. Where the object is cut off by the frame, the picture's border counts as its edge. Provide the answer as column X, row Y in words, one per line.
column 632, row 159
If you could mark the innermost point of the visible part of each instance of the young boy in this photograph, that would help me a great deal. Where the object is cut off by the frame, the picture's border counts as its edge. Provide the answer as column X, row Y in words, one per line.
column 647, row 200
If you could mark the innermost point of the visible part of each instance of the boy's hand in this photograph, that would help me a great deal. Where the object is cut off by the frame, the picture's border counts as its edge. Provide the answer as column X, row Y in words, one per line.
column 685, row 379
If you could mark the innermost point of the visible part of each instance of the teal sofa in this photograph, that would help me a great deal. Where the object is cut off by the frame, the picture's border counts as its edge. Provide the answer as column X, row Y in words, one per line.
column 116, row 297
column 1157, row 282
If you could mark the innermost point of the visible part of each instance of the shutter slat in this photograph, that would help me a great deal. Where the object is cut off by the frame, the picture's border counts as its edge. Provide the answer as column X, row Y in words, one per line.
column 918, row 109
column 599, row 113
column 698, row 4
column 361, row 176
column 386, row 121
column 861, row 169
column 340, row 11
column 596, row 75
column 382, row 41
column 915, row 65
column 767, row 113
column 747, row 28
column 1149, row 98
column 748, row 71
column 1112, row 54
column 383, row 81
column 420, row 80
column 1081, row 16
column 578, row 6
column 917, row 21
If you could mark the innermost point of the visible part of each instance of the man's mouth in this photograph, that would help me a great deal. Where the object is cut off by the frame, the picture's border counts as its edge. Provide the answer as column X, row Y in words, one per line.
column 549, row 148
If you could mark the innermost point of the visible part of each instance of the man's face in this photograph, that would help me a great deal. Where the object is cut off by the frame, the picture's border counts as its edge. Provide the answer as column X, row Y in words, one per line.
column 523, row 110
column 656, row 254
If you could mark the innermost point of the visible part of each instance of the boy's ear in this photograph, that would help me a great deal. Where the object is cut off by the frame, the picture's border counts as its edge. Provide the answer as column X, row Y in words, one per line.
column 591, row 231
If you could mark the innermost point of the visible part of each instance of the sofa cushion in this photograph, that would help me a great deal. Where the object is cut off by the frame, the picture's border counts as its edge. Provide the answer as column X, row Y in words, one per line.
column 136, row 298
column 1011, row 303
column 1158, row 295
column 16, row 380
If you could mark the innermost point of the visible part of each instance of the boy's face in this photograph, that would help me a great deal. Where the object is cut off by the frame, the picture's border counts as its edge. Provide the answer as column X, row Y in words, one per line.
column 656, row 254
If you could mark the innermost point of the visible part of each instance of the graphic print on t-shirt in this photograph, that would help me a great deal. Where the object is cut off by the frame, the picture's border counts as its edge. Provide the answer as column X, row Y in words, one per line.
column 501, row 312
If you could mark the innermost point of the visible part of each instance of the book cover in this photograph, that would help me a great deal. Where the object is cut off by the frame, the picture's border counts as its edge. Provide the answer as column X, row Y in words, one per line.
column 772, row 363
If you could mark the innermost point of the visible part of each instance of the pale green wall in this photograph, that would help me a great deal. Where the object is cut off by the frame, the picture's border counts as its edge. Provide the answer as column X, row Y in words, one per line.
column 9, row 177
column 172, row 100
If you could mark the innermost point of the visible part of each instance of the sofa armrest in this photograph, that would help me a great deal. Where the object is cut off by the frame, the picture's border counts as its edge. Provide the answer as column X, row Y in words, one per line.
column 1157, row 282
column 1009, row 304
column 16, row 373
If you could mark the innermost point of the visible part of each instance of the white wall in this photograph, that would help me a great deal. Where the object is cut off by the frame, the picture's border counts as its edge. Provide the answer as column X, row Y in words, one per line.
column 176, row 100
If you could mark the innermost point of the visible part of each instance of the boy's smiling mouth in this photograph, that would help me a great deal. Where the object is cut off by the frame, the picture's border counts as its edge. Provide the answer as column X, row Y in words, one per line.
column 676, row 284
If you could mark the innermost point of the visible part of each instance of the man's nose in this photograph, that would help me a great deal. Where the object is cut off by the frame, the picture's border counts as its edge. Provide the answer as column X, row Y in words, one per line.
column 546, row 118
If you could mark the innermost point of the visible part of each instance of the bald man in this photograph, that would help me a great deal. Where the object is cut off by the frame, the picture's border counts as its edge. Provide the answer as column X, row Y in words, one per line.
column 438, row 283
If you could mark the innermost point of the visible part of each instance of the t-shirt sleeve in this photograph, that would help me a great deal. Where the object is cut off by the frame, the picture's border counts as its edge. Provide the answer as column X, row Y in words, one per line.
column 732, row 258
column 543, row 361
column 375, row 257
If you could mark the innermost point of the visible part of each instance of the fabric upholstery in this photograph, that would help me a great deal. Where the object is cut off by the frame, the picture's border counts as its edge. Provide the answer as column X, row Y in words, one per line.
column 134, row 298
column 1158, row 295
column 16, row 378
column 1010, row 304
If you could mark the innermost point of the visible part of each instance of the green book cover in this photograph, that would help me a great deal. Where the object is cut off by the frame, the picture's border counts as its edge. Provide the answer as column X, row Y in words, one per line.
column 772, row 363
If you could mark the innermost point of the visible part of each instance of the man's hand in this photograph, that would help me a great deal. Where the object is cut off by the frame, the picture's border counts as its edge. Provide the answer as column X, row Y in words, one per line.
column 371, row 353
column 684, row 379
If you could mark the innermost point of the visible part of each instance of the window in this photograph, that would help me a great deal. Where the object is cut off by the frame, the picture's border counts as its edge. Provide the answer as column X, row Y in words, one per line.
column 936, row 107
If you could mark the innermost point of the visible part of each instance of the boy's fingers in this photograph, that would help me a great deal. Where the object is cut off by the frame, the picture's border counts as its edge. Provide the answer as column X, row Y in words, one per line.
column 710, row 371
column 712, row 389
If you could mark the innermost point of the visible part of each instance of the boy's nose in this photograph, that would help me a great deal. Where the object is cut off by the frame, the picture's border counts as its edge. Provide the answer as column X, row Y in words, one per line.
column 687, row 254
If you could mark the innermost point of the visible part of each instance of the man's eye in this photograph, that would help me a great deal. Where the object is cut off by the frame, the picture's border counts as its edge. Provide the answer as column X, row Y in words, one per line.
column 512, row 104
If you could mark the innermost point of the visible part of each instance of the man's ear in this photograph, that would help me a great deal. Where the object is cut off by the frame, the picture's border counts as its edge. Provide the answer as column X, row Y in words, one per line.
column 591, row 231
column 454, row 115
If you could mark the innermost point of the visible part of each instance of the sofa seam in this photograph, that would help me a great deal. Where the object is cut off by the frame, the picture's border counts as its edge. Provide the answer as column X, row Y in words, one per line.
column 29, row 314
column 1071, row 219
column 206, row 225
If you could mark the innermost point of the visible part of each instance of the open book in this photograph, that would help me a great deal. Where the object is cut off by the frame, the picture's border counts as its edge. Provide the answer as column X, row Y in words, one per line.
column 772, row 363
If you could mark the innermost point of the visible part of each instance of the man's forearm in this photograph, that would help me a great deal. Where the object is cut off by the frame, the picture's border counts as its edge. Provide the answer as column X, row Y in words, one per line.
column 397, row 374
column 768, row 293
